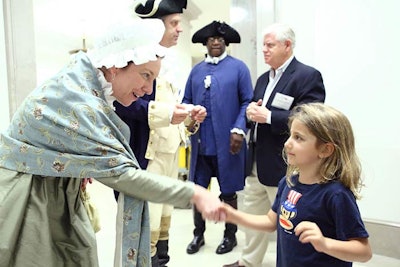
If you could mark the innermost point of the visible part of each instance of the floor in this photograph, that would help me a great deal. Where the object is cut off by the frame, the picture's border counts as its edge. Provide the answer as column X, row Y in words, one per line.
column 181, row 235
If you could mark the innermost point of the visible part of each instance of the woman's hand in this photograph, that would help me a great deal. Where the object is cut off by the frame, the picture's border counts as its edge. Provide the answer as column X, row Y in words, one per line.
column 208, row 204
column 84, row 183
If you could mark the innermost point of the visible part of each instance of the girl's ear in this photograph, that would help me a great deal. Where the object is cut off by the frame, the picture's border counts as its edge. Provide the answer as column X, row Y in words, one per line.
column 326, row 150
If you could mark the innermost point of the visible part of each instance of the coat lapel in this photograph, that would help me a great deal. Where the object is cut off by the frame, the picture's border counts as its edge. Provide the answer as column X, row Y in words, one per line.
column 287, row 75
column 260, row 89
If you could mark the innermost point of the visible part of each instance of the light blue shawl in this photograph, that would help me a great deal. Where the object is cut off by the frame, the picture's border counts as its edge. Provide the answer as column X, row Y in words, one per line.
column 65, row 128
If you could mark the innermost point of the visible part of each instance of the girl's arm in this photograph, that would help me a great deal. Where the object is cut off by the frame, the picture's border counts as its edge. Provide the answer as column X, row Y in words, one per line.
column 357, row 249
column 257, row 222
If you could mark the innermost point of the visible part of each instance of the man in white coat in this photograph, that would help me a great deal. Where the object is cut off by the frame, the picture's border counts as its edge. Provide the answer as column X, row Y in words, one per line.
column 156, row 121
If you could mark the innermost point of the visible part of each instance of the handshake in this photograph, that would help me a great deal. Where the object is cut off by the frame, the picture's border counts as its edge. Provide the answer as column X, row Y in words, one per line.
column 210, row 205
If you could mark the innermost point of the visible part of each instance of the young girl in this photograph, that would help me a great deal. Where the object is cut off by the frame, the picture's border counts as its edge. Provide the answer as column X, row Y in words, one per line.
column 315, row 212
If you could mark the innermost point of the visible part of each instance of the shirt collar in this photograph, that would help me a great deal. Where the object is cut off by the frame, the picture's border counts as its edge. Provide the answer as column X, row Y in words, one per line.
column 282, row 68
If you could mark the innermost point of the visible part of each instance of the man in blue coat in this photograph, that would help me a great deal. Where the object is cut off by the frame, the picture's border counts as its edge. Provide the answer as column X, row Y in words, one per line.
column 287, row 84
column 221, row 84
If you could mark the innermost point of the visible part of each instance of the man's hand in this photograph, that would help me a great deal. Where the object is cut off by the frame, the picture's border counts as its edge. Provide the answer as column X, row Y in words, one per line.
column 257, row 113
column 198, row 113
column 180, row 113
column 236, row 143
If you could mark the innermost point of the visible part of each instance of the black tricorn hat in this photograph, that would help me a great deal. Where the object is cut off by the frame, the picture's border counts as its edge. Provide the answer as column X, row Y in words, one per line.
column 216, row 28
column 159, row 8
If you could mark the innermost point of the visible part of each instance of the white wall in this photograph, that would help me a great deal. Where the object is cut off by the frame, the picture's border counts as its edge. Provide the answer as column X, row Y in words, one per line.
column 17, row 19
column 355, row 46
column 4, row 105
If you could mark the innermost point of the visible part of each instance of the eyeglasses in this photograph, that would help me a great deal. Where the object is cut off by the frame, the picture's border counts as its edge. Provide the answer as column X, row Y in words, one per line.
column 219, row 39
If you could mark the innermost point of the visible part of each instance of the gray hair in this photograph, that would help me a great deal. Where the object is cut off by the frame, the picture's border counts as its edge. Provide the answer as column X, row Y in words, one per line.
column 282, row 33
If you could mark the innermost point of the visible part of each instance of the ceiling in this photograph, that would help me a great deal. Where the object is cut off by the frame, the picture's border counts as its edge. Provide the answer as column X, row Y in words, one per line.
column 59, row 23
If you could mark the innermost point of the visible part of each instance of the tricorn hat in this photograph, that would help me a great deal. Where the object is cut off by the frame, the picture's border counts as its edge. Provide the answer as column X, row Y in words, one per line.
column 216, row 28
column 158, row 8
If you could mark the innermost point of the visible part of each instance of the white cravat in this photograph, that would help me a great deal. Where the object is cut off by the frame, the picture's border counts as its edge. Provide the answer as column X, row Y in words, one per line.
column 215, row 60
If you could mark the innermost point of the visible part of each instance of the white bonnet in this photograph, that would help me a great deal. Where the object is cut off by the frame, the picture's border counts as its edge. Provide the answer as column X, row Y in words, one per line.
column 136, row 40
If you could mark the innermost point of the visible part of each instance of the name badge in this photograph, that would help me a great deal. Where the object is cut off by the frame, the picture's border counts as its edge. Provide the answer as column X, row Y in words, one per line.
column 282, row 101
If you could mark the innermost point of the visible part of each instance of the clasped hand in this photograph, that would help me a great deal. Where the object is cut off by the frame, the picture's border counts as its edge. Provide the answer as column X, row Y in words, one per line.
column 181, row 111
column 256, row 112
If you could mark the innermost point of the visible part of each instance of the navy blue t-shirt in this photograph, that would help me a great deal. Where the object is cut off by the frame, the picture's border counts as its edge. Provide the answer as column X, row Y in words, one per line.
column 331, row 206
